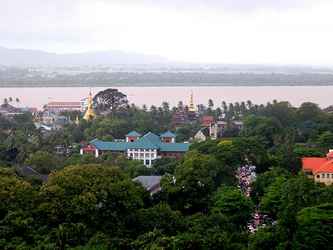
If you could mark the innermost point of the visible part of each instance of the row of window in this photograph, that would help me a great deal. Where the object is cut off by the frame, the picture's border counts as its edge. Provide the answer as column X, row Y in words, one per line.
column 142, row 155
column 325, row 176
column 140, row 150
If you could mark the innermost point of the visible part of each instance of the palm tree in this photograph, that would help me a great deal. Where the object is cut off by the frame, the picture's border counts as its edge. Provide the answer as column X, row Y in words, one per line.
column 237, row 108
column 210, row 103
column 249, row 104
column 224, row 107
column 231, row 111
column 243, row 108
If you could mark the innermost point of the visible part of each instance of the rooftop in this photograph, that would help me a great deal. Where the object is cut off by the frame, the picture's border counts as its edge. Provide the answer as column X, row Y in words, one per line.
column 133, row 134
column 148, row 141
column 168, row 134
column 317, row 164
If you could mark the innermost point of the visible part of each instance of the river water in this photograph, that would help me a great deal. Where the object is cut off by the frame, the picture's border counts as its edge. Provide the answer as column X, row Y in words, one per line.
column 37, row 97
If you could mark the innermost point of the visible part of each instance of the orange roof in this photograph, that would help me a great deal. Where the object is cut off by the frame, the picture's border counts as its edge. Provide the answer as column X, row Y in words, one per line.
column 325, row 168
column 317, row 164
column 207, row 120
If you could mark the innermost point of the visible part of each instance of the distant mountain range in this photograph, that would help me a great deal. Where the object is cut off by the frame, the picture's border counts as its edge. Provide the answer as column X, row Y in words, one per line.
column 25, row 57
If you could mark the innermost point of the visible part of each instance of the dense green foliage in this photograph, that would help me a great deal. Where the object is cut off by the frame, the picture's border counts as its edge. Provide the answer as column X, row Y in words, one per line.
column 90, row 203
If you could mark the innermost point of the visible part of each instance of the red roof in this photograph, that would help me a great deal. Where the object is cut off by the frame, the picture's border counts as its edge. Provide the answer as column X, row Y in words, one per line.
column 317, row 164
column 207, row 120
column 325, row 168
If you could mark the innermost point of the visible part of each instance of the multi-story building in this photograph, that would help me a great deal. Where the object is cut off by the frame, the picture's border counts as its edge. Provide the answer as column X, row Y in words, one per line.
column 57, row 107
column 319, row 168
column 146, row 148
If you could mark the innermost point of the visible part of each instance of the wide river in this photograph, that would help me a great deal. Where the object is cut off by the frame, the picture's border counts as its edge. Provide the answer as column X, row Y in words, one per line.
column 37, row 97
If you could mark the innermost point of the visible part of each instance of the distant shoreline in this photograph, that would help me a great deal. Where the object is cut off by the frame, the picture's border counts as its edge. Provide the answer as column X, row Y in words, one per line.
column 73, row 85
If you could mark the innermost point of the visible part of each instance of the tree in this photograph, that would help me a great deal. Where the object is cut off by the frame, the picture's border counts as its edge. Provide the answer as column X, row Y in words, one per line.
column 230, row 202
column 309, row 111
column 210, row 104
column 160, row 217
column 16, row 208
column 261, row 126
column 325, row 140
column 194, row 181
column 271, row 201
column 314, row 227
column 99, row 198
column 264, row 181
column 43, row 162
column 263, row 239
column 110, row 100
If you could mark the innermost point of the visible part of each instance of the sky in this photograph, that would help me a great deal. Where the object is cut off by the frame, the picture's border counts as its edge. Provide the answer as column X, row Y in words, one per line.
column 197, row 31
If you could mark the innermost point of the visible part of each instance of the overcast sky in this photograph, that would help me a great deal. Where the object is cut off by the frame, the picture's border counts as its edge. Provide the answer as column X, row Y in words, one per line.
column 206, row 31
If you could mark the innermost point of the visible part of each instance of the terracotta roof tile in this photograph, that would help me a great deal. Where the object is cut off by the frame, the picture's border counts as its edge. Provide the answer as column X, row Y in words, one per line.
column 317, row 164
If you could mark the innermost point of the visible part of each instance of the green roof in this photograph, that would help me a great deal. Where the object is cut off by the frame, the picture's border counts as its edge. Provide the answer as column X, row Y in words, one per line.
column 142, row 143
column 134, row 134
column 168, row 134
column 148, row 141
column 174, row 147
column 109, row 146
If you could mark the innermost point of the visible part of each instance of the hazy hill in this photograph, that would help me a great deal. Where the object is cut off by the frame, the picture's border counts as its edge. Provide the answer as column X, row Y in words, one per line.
column 24, row 57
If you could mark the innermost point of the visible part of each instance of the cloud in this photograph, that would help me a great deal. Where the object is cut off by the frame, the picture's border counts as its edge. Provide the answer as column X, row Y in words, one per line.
column 238, row 31
column 238, row 5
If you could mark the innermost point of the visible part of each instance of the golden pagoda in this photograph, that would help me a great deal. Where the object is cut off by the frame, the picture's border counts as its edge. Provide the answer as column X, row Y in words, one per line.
column 191, row 107
column 90, row 113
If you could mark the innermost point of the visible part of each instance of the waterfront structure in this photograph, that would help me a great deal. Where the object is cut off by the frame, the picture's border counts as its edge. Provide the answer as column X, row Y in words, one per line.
column 319, row 168
column 57, row 107
column 146, row 148
column 90, row 113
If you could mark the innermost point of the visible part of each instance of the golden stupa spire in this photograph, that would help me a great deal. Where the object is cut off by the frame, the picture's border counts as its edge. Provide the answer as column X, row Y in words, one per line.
column 90, row 113
column 191, row 107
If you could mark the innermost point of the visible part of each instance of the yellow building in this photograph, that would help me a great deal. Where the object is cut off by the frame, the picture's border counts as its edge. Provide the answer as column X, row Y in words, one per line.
column 90, row 113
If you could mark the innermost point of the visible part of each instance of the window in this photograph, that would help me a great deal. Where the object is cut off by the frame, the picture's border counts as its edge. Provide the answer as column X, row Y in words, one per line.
column 327, row 175
column 318, row 176
column 322, row 175
column 147, row 162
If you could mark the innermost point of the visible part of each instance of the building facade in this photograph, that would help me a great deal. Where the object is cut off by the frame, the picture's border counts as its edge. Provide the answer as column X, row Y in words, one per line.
column 319, row 168
column 57, row 107
column 146, row 148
